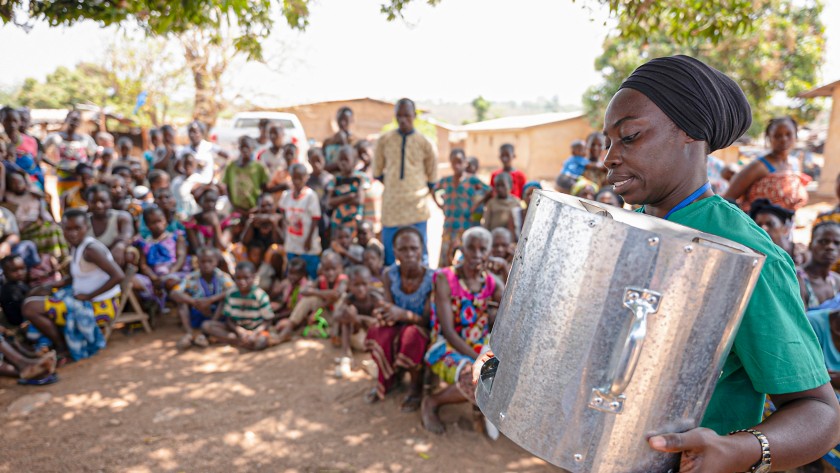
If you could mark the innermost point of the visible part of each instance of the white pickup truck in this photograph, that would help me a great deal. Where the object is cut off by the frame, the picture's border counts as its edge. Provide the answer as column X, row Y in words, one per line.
column 247, row 123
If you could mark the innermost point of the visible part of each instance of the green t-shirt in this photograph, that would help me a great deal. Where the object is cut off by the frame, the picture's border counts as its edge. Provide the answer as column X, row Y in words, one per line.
column 245, row 183
column 775, row 349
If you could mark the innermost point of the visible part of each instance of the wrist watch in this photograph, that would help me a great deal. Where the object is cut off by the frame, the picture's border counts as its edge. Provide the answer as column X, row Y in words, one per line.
column 763, row 465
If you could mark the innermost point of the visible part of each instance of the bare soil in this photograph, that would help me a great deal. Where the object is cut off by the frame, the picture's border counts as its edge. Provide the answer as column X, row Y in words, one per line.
column 141, row 406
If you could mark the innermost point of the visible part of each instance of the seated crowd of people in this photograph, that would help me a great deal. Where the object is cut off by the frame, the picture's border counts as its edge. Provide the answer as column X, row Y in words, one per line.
column 255, row 249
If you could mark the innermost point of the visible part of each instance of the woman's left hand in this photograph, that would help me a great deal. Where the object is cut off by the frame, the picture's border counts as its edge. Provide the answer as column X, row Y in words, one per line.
column 704, row 451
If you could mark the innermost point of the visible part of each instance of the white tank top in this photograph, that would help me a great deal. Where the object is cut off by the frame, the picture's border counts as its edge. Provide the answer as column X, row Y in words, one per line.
column 88, row 277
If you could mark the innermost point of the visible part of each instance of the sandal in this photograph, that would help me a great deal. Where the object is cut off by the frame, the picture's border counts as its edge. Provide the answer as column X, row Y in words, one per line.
column 201, row 341
column 411, row 402
column 185, row 342
column 372, row 396
column 48, row 379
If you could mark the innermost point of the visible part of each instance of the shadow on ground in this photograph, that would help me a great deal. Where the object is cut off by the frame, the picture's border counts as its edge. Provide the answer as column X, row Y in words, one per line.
column 141, row 406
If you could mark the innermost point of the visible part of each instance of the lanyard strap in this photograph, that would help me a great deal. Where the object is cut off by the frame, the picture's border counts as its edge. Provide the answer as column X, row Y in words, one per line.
column 690, row 199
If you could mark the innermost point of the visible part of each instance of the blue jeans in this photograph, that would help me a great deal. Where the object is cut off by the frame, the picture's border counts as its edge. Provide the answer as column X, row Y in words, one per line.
column 388, row 241
column 312, row 262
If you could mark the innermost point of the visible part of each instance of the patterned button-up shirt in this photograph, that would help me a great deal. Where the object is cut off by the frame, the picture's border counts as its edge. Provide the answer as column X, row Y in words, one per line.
column 407, row 165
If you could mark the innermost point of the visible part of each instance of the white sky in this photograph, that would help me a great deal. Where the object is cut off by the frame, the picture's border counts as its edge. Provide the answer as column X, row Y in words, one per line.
column 453, row 52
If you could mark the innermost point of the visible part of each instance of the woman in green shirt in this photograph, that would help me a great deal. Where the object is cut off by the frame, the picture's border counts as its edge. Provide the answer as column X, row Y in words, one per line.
column 664, row 120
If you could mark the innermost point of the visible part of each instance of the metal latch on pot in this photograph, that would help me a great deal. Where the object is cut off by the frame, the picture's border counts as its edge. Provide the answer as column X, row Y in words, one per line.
column 641, row 302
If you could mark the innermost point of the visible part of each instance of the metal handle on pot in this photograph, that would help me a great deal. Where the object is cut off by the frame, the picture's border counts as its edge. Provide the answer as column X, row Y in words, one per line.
column 641, row 302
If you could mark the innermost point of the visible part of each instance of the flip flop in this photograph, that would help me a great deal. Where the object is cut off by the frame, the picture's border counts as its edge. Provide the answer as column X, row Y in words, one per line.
column 49, row 379
column 411, row 402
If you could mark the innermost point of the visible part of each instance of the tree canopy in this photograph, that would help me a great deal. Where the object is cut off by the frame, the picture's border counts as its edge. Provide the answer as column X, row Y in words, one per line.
column 781, row 56
column 636, row 19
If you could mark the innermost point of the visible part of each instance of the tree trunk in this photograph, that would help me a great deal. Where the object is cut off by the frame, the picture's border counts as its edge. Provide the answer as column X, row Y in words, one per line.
column 208, row 60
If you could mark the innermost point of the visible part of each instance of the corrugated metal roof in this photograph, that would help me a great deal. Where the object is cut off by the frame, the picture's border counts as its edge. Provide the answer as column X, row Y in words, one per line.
column 520, row 121
column 823, row 91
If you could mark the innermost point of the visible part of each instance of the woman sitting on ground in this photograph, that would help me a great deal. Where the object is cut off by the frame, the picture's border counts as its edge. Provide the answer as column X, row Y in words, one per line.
column 114, row 228
column 204, row 228
column 398, row 342
column 163, row 258
column 466, row 299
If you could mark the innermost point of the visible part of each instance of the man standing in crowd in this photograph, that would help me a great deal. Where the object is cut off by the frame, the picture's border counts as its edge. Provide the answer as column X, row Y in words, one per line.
column 406, row 163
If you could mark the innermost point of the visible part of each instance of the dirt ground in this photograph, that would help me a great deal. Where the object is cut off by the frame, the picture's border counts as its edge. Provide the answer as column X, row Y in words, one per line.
column 141, row 406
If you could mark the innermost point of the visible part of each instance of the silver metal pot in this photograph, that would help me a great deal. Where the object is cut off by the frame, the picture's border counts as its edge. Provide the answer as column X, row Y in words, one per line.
column 613, row 326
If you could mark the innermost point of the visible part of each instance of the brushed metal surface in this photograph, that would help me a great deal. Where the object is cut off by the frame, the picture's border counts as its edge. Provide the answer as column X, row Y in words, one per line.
column 563, row 331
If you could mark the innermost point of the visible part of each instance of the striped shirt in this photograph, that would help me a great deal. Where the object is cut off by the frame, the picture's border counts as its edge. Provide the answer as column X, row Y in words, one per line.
column 248, row 311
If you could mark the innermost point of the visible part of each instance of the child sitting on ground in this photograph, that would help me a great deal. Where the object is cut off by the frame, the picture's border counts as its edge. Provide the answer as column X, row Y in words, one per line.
column 157, row 179
column 14, row 289
column 375, row 261
column 246, row 313
column 319, row 296
column 354, row 315
column 501, row 253
column 499, row 211
column 165, row 201
column 351, row 253
column 285, row 294
column 76, row 198
column 120, row 199
column 204, row 228
column 163, row 257
column 183, row 186
column 366, row 238
column 199, row 296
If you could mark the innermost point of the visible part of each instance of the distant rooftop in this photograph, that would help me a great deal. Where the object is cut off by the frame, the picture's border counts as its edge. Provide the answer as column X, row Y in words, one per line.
column 520, row 121
column 823, row 91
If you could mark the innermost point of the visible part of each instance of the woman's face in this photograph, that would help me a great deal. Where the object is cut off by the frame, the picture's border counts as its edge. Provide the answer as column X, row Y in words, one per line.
column 782, row 137
column 647, row 156
column 476, row 252
column 100, row 203
column 825, row 246
column 774, row 227
column 408, row 249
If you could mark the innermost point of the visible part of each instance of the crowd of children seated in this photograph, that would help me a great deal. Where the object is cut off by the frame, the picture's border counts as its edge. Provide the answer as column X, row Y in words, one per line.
column 258, row 247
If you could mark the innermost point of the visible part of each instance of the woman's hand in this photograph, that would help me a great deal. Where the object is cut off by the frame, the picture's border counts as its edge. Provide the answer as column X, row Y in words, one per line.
column 388, row 314
column 704, row 451
column 477, row 364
